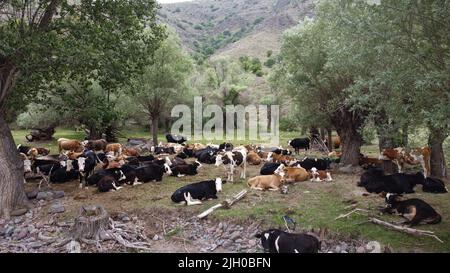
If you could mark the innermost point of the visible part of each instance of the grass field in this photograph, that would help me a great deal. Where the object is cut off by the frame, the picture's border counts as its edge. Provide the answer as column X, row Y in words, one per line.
column 311, row 204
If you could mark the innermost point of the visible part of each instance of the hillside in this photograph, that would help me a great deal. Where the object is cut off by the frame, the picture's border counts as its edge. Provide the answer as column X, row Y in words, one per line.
column 233, row 27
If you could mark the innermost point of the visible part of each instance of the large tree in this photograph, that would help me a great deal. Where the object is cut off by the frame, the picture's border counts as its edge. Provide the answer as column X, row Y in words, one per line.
column 47, row 41
column 163, row 82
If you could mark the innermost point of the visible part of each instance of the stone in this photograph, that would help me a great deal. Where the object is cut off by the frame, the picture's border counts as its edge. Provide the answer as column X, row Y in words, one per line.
column 9, row 231
column 36, row 245
column 235, row 235
column 44, row 195
column 22, row 234
column 238, row 241
column 56, row 208
column 252, row 243
column 18, row 220
column 58, row 194
column 73, row 247
column 32, row 194
column 156, row 237
column 220, row 225
column 337, row 249
column 361, row 249
column 19, row 212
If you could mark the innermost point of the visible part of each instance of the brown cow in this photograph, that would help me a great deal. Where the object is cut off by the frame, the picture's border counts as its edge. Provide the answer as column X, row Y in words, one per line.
column 295, row 174
column 131, row 152
column 253, row 158
column 320, row 176
column 115, row 148
column 73, row 155
column 366, row 161
column 401, row 157
column 95, row 145
column 69, row 145
column 267, row 182
column 285, row 159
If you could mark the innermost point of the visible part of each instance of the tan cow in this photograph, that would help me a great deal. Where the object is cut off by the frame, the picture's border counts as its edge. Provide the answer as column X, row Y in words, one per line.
column 253, row 158
column 65, row 144
column 116, row 148
column 271, row 182
column 131, row 152
column 295, row 174
column 320, row 176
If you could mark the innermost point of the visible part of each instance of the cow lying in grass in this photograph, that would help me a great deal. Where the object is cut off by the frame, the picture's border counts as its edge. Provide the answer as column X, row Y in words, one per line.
column 416, row 211
column 192, row 194
column 434, row 185
column 374, row 181
column 319, row 176
column 271, row 182
column 278, row 241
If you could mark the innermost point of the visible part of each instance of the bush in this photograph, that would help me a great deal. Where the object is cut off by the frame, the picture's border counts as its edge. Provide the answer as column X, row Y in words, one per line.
column 269, row 63
column 288, row 124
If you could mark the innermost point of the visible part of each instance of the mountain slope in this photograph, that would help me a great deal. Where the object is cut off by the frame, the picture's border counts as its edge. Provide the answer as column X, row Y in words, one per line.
column 233, row 27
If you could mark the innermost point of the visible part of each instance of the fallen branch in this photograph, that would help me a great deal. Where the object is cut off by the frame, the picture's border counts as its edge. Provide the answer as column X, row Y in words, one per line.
column 412, row 231
column 225, row 204
column 348, row 214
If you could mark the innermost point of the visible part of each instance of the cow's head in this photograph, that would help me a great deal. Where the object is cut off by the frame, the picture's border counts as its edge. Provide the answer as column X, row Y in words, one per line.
column 280, row 170
column 198, row 164
column 218, row 183
column 269, row 156
column 268, row 238
column 392, row 198
column 168, row 162
column 27, row 166
column 63, row 163
column 122, row 176
column 219, row 160
column 152, row 149
column 81, row 163
column 314, row 170
column 167, row 169
column 69, row 165
column 85, row 142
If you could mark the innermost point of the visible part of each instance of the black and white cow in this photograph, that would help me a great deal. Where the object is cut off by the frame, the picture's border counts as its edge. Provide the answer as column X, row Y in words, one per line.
column 415, row 210
column 232, row 160
column 278, row 241
column 299, row 143
column 163, row 150
column 97, row 176
column 175, row 139
column 269, row 168
column 185, row 169
column 395, row 183
column 85, row 164
column 152, row 172
column 192, row 194
column 434, row 185
column 108, row 183
column 226, row 146
column 318, row 163
column 281, row 151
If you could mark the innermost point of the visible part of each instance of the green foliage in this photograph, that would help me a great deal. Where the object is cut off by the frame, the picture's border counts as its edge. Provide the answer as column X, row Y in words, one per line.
column 252, row 65
column 269, row 53
column 101, row 40
column 270, row 62
column 258, row 20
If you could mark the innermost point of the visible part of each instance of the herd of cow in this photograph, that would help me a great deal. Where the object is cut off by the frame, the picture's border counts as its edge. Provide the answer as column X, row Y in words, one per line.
column 109, row 166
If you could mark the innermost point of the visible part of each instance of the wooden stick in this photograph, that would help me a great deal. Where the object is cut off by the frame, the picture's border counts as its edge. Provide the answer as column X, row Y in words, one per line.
column 348, row 214
column 412, row 231
column 225, row 204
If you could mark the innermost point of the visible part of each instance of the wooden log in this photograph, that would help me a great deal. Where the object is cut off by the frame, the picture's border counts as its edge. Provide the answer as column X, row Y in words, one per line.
column 225, row 204
column 412, row 231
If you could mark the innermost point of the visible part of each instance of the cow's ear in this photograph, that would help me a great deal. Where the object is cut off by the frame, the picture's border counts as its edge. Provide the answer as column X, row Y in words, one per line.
column 258, row 235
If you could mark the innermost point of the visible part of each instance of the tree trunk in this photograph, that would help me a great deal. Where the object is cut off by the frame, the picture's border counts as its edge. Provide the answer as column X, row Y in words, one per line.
column 347, row 124
column 385, row 141
column 12, row 191
column 155, row 121
column 405, row 129
column 330, row 140
column 437, row 157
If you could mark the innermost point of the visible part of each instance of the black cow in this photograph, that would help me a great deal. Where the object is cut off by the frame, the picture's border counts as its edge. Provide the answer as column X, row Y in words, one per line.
column 23, row 149
column 198, row 191
column 152, row 172
column 182, row 155
column 185, row 169
column 226, row 146
column 269, row 168
column 164, row 150
column 281, row 151
column 434, row 185
column 61, row 175
column 85, row 164
column 207, row 155
column 175, row 139
column 130, row 175
column 107, row 183
column 278, row 241
column 369, row 175
column 97, row 176
column 299, row 143
column 319, row 164
column 395, row 183
column 415, row 210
